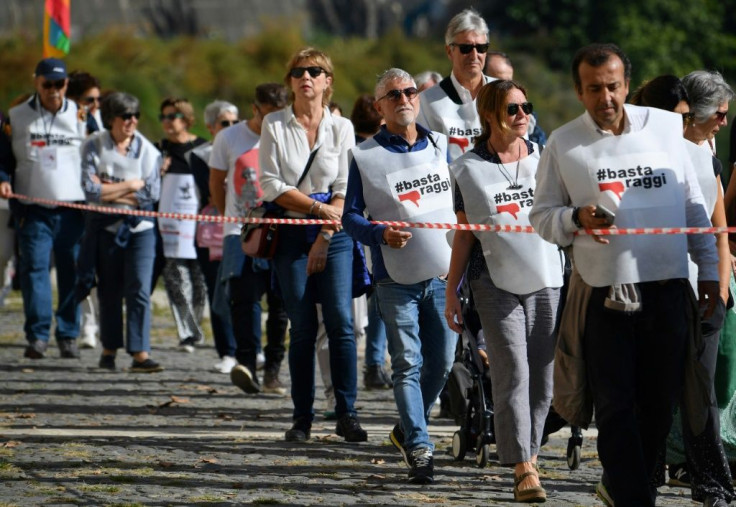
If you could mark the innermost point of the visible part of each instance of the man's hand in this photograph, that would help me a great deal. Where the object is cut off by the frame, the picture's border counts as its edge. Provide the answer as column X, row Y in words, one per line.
column 395, row 238
column 587, row 218
column 5, row 190
column 708, row 292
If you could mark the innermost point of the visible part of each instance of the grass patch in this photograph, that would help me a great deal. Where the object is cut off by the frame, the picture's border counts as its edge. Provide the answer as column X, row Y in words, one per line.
column 207, row 498
column 265, row 501
column 99, row 488
column 9, row 470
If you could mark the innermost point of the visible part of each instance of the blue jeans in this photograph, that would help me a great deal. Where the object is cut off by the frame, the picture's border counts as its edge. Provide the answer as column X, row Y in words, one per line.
column 222, row 327
column 42, row 231
column 124, row 275
column 422, row 350
column 375, row 334
column 333, row 289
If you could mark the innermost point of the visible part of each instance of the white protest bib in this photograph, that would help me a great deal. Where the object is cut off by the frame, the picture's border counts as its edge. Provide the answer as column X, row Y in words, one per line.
column 178, row 195
column 518, row 263
column 59, row 174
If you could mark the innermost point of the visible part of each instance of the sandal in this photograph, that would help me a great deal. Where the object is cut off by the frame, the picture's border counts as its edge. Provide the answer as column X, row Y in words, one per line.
column 528, row 495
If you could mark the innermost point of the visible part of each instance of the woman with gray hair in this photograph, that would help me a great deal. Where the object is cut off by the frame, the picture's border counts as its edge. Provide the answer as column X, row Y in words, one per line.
column 709, row 97
column 120, row 168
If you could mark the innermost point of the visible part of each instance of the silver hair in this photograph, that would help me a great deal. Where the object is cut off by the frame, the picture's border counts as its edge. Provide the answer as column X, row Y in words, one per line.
column 390, row 75
column 115, row 104
column 215, row 109
column 466, row 21
column 707, row 90
column 426, row 76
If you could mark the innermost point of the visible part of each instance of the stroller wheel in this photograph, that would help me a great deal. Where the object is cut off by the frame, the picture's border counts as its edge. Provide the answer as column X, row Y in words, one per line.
column 482, row 456
column 459, row 445
column 573, row 457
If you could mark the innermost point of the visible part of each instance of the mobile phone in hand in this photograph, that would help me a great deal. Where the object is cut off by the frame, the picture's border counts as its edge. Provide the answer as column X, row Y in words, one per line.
column 603, row 212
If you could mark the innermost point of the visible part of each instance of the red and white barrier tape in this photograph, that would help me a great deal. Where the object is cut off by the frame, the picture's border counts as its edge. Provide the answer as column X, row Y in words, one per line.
column 412, row 225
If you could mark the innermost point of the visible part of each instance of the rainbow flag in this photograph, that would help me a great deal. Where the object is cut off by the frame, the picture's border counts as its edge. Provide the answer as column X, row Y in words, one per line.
column 56, row 28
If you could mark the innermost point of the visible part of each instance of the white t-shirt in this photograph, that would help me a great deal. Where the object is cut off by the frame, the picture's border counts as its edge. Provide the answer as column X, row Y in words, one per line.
column 235, row 150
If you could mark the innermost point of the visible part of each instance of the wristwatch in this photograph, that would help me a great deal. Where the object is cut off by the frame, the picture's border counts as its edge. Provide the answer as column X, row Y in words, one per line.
column 326, row 236
column 576, row 218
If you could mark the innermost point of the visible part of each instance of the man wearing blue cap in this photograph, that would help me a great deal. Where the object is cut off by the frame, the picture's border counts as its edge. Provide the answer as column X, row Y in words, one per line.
column 45, row 136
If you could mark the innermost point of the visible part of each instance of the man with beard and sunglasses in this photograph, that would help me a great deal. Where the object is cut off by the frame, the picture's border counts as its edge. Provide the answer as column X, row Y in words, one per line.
column 46, row 133
column 401, row 173
column 449, row 107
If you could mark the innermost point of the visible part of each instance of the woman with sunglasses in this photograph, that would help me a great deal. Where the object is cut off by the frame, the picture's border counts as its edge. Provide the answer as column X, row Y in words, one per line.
column 304, row 165
column 84, row 89
column 120, row 168
column 698, row 461
column 515, row 278
column 183, row 277
column 709, row 97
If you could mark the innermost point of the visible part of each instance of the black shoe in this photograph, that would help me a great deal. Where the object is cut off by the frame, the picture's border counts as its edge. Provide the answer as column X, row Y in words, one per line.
column 397, row 439
column 375, row 378
column 107, row 362
column 187, row 344
column 300, row 431
column 422, row 466
column 146, row 366
column 36, row 349
column 679, row 475
column 242, row 377
column 349, row 428
column 68, row 348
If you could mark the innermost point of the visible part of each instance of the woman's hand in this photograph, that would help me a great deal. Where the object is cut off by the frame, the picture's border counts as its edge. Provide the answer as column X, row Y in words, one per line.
column 317, row 259
column 136, row 185
column 453, row 311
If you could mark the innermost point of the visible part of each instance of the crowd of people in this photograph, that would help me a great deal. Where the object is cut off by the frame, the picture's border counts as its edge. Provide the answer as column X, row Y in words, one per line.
column 637, row 329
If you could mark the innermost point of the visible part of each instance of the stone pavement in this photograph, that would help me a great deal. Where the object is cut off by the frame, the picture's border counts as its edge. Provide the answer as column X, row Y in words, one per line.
column 71, row 434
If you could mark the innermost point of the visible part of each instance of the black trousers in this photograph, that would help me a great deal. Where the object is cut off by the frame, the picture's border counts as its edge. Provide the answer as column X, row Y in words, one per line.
column 635, row 365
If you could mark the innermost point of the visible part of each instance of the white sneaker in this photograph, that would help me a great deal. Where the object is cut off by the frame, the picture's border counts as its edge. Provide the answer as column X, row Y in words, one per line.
column 225, row 365
column 88, row 341
column 260, row 360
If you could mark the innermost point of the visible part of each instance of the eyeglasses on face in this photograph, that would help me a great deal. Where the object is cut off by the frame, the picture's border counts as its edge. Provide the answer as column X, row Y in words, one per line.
column 170, row 116
column 227, row 123
column 721, row 115
column 467, row 48
column 513, row 109
column 129, row 116
column 58, row 84
column 314, row 71
column 688, row 119
column 395, row 95
column 90, row 100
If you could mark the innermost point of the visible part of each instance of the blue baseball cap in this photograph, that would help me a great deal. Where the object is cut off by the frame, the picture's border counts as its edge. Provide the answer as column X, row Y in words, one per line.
column 52, row 69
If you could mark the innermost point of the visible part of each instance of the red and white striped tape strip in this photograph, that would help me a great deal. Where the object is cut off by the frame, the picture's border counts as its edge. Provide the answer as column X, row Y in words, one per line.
column 412, row 225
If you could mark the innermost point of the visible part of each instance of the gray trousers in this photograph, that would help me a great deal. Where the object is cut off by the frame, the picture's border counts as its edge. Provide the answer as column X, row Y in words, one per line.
column 519, row 333
column 187, row 292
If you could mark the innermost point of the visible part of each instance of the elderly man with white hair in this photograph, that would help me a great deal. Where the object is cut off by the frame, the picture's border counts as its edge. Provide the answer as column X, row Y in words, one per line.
column 401, row 173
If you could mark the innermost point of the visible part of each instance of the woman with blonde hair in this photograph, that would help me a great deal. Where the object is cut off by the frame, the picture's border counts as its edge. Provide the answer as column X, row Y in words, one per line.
column 304, row 165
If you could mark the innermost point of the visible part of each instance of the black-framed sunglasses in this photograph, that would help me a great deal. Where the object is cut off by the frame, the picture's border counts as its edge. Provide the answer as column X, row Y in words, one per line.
column 90, row 100
column 227, row 123
column 688, row 119
column 314, row 71
column 467, row 48
column 129, row 116
column 721, row 115
column 513, row 109
column 395, row 95
column 170, row 116
column 58, row 84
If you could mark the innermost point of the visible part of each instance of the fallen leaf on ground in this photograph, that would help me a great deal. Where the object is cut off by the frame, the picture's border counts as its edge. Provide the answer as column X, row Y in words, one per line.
column 11, row 443
column 212, row 461
column 377, row 461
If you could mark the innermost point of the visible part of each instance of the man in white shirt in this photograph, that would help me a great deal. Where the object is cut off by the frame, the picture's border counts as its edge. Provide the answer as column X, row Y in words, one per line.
column 46, row 135
column 449, row 107
column 632, row 162
column 235, row 189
